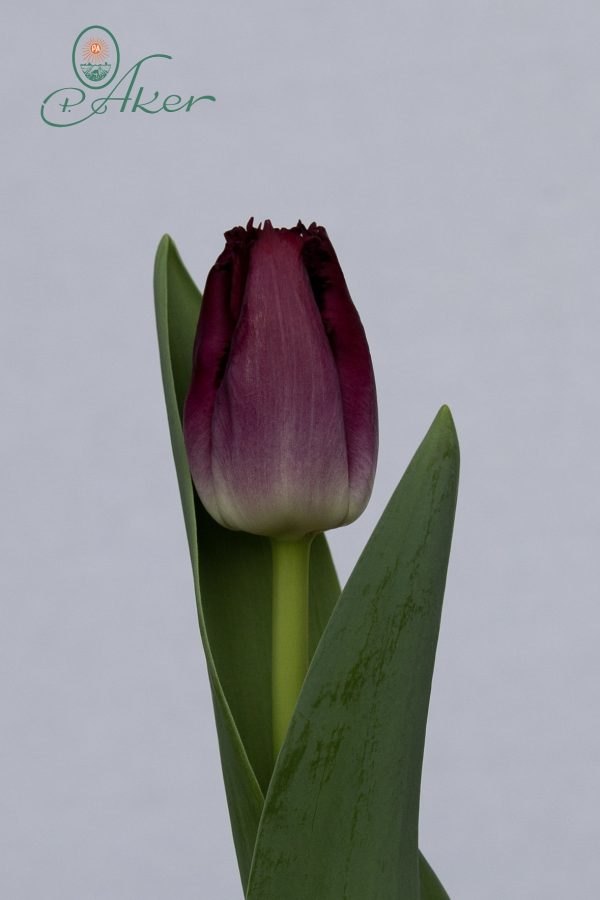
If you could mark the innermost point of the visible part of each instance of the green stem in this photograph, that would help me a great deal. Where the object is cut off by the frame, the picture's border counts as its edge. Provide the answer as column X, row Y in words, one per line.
column 290, row 629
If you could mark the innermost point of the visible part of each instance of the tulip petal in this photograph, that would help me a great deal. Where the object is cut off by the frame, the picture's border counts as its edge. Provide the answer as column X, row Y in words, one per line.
column 353, row 361
column 221, row 302
column 278, row 440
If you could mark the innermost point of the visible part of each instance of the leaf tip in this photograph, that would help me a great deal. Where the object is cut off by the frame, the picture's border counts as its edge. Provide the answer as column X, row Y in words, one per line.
column 165, row 245
column 446, row 420
column 444, row 423
column 445, row 415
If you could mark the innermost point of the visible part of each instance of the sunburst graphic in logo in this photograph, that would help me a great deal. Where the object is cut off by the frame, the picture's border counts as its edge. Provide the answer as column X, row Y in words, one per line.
column 95, row 51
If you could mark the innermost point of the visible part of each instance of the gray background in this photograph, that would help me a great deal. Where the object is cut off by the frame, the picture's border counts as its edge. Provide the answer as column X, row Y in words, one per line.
column 452, row 150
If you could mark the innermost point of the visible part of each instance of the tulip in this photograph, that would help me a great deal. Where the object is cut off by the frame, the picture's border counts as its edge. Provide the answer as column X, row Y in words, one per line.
column 280, row 422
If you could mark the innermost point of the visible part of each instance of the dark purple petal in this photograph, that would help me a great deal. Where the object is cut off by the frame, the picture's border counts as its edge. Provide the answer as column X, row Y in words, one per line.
column 278, row 449
column 353, row 361
column 220, row 306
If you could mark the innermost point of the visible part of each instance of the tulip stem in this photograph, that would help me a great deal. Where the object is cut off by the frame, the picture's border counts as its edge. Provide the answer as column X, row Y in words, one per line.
column 290, row 629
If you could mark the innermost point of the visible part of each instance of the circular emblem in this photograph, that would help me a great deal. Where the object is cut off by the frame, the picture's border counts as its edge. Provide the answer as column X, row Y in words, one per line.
column 95, row 56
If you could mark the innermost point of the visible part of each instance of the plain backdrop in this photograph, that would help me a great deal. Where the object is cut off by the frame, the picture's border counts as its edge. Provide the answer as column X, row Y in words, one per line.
column 453, row 152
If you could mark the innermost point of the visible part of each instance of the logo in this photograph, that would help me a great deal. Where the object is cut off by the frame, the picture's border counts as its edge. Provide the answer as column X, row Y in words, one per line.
column 96, row 58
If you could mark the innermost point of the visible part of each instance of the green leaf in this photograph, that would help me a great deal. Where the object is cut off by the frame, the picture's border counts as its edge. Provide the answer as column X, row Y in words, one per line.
column 232, row 580
column 341, row 813
column 431, row 886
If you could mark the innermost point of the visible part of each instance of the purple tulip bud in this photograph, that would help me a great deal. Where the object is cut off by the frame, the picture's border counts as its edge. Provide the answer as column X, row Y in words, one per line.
column 280, row 421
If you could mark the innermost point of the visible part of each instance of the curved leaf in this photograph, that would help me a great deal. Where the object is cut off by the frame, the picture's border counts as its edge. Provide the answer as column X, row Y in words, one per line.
column 341, row 814
column 431, row 886
column 232, row 578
